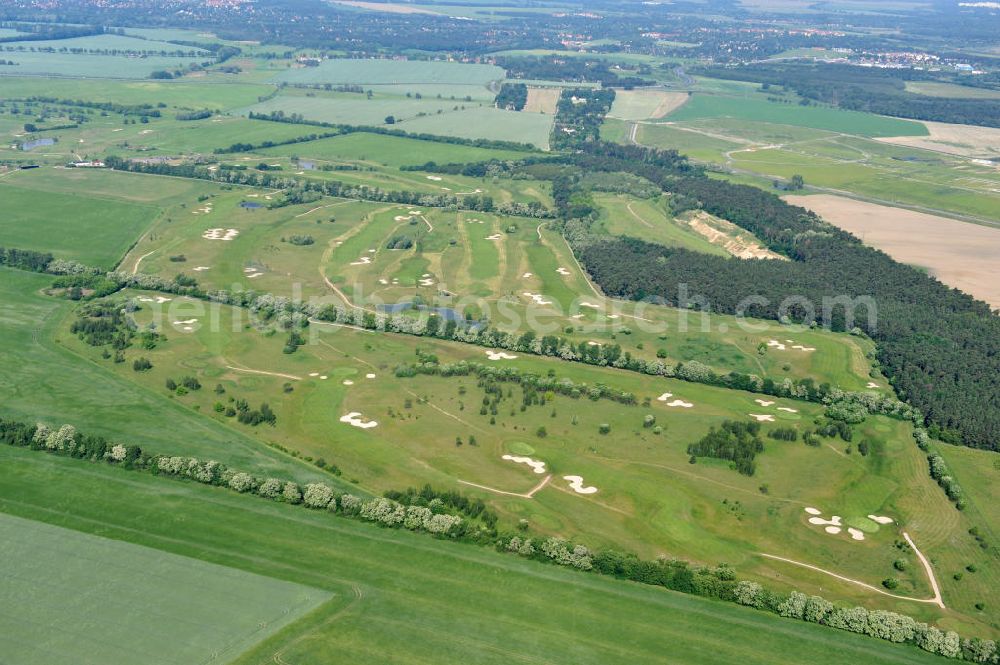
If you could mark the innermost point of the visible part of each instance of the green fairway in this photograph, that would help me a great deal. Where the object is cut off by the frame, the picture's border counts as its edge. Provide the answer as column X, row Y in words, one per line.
column 849, row 122
column 68, row 597
column 406, row 598
column 90, row 230
column 41, row 380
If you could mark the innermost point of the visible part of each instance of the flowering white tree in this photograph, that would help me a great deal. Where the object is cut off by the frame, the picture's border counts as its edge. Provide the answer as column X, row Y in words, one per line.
column 384, row 511
column 350, row 503
column 62, row 438
column 794, row 606
column 270, row 488
column 291, row 493
column 750, row 594
column 817, row 609
column 241, row 482
column 118, row 452
column 317, row 495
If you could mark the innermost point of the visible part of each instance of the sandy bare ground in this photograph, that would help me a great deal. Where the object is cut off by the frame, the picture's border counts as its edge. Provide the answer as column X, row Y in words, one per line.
column 963, row 140
column 727, row 235
column 542, row 100
column 390, row 7
column 963, row 255
column 646, row 104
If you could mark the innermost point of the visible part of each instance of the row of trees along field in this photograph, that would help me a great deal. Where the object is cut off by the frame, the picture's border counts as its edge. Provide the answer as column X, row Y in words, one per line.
column 938, row 346
column 873, row 90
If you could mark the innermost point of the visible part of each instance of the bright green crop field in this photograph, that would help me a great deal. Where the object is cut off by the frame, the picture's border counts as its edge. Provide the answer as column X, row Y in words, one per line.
column 849, row 122
column 91, row 230
column 73, row 598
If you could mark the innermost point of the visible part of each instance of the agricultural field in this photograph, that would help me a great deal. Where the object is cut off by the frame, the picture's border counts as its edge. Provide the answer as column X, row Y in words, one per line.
column 702, row 106
column 115, row 580
column 961, row 255
column 430, row 115
column 103, row 43
column 92, row 230
column 884, row 170
column 35, row 63
column 390, row 151
column 935, row 89
column 646, row 104
column 372, row 613
column 392, row 72
column 214, row 95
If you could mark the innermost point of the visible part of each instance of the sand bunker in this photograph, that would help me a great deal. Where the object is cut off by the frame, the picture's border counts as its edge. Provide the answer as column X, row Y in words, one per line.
column 681, row 403
column 363, row 261
column 159, row 300
column 354, row 418
column 426, row 282
column 834, row 530
column 526, row 275
column 856, row 534
column 495, row 236
column 762, row 418
column 435, row 178
column 369, row 376
column 814, row 511
column 576, row 484
column 562, row 271
column 819, row 521
column 323, row 377
column 590, row 305
column 881, row 519
column 665, row 396
column 401, row 218
column 787, row 409
column 313, row 373
column 764, row 402
column 536, row 466
column 500, row 355
column 348, row 382
column 201, row 268
column 781, row 347
column 220, row 234
column 538, row 298
column 872, row 384
column 185, row 323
